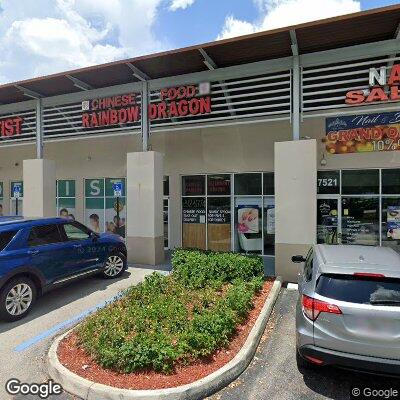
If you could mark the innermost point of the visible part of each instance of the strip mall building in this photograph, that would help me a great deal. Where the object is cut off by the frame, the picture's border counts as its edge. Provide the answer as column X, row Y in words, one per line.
column 262, row 144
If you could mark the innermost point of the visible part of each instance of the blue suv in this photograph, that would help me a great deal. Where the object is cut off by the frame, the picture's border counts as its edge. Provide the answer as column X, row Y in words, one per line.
column 37, row 255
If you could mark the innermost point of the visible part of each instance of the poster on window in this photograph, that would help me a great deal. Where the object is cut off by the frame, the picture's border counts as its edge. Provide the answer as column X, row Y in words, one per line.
column 116, row 216
column 271, row 220
column 363, row 133
column 393, row 222
column 193, row 210
column 66, row 208
column 248, row 219
column 94, row 214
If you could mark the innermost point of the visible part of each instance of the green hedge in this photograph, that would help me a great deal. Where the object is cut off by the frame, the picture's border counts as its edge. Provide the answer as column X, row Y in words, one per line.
column 173, row 319
column 197, row 268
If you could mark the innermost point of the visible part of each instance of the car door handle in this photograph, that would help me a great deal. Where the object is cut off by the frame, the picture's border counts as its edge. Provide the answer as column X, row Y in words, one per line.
column 77, row 246
column 33, row 252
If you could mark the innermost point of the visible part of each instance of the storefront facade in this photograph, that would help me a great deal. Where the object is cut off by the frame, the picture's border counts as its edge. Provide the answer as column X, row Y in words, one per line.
column 263, row 157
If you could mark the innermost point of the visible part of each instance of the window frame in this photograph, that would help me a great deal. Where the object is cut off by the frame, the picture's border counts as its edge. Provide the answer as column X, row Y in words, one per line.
column 232, row 197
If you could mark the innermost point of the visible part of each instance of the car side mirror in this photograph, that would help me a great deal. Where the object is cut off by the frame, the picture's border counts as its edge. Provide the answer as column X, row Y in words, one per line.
column 298, row 259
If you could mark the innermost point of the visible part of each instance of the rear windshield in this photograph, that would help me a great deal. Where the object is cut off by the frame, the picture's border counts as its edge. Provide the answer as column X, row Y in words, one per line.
column 362, row 290
column 5, row 238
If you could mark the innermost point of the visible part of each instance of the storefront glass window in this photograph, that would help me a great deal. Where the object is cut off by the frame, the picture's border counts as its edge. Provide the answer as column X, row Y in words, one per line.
column 219, row 223
column 268, row 184
column 166, row 185
column 328, row 182
column 360, row 220
column 390, row 181
column 248, row 225
column 66, row 198
column 327, row 221
column 17, row 204
column 103, row 212
column 207, row 220
column 193, row 185
column 391, row 222
column 269, row 225
column 248, row 184
column 219, row 185
column 194, row 222
column 360, row 181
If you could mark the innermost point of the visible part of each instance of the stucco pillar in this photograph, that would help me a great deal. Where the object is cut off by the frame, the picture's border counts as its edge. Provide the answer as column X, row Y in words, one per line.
column 295, row 203
column 145, row 229
column 39, row 178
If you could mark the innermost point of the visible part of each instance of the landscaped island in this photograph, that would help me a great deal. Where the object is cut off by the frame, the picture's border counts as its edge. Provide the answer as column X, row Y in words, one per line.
column 169, row 324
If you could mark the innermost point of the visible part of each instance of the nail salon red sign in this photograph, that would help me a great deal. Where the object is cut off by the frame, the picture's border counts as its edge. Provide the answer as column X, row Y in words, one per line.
column 384, row 86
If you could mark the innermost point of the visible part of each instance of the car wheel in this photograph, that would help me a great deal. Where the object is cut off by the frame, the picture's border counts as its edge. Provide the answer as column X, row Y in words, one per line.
column 17, row 298
column 302, row 364
column 115, row 266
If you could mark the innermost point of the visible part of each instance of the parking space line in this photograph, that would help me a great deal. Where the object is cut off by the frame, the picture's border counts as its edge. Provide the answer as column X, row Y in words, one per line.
column 62, row 325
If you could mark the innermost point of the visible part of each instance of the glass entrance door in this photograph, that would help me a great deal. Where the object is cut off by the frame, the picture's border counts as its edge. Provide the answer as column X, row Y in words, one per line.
column 328, row 220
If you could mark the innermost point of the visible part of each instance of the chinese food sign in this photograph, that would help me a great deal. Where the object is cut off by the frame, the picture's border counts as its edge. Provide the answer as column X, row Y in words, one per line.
column 363, row 133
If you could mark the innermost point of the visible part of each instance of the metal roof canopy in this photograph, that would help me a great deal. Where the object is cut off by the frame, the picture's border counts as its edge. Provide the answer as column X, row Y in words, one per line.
column 353, row 29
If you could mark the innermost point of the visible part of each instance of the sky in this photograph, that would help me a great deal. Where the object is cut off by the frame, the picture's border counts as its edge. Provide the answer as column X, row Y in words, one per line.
column 40, row 37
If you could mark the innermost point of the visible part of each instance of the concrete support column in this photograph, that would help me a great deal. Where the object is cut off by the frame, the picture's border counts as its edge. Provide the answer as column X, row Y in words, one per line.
column 39, row 177
column 145, row 229
column 295, row 203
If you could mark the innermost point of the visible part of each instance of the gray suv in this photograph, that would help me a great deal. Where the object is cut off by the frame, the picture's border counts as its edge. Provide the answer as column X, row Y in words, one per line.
column 348, row 313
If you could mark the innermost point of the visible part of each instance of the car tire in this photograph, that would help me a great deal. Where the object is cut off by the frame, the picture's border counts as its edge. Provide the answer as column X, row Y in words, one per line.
column 302, row 364
column 115, row 266
column 17, row 298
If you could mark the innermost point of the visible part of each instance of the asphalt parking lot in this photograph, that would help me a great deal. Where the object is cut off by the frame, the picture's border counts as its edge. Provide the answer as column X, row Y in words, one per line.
column 24, row 344
column 273, row 373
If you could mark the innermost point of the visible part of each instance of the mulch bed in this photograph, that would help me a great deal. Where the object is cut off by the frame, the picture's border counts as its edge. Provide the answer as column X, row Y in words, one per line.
column 76, row 360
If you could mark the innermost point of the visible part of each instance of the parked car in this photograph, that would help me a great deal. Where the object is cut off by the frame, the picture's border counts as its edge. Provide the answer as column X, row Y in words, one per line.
column 348, row 314
column 37, row 255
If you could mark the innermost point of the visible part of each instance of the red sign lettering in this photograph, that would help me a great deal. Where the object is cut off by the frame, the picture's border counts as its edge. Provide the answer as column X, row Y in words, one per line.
column 10, row 126
column 378, row 93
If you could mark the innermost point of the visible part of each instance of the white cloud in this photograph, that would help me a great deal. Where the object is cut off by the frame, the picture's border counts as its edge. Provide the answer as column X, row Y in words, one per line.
column 280, row 13
column 46, row 36
column 176, row 4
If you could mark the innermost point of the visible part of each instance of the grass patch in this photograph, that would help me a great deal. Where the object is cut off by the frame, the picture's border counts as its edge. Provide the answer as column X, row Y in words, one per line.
column 173, row 319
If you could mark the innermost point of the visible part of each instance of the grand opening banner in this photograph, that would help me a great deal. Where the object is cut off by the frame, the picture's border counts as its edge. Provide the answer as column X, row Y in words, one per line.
column 363, row 133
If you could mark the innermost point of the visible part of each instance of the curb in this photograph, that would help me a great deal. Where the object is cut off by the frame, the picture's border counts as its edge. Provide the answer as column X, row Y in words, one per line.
column 200, row 389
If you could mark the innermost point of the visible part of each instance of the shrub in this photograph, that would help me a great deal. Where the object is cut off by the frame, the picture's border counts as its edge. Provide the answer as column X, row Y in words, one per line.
column 166, row 320
column 197, row 268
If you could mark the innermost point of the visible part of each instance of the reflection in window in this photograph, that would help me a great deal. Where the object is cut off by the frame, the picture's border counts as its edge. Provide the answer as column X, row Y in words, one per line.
column 219, row 185
column 360, row 181
column 391, row 181
column 327, row 221
column 247, row 184
column 193, row 185
column 360, row 220
column 248, row 225
column 268, row 183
